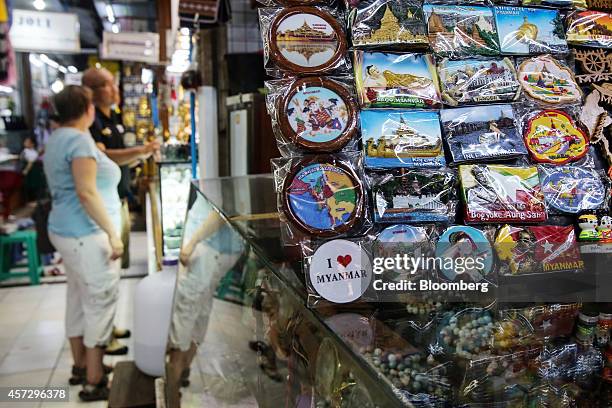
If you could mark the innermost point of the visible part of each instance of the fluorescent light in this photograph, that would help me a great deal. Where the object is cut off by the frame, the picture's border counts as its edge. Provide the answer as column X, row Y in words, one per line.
column 63, row 69
column 57, row 86
column 110, row 15
column 73, row 69
column 6, row 89
column 184, row 31
column 39, row 4
column 34, row 60
column 115, row 28
column 49, row 61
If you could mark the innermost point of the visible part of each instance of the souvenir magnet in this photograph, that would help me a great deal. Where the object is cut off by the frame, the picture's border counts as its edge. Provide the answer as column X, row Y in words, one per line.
column 572, row 189
column 388, row 22
column 527, row 31
column 392, row 80
column 594, row 65
column 481, row 133
column 536, row 249
column 494, row 193
column 317, row 114
column 402, row 239
column 397, row 138
column 459, row 241
column 579, row 4
column 323, row 197
column 461, row 30
column 588, row 227
column 476, row 81
column 413, row 196
column 306, row 40
column 590, row 28
column 551, row 136
column 545, row 79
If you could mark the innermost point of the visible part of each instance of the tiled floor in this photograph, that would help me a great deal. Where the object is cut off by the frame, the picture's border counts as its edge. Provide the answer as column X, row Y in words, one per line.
column 33, row 348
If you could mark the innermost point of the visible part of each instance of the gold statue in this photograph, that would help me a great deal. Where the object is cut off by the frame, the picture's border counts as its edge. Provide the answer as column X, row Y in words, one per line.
column 527, row 31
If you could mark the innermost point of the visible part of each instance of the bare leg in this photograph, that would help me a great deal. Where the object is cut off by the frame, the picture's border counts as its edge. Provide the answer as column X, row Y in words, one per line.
column 94, row 356
column 78, row 351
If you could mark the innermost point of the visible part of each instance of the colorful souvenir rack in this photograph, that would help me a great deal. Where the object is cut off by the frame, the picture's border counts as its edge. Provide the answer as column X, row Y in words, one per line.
column 452, row 130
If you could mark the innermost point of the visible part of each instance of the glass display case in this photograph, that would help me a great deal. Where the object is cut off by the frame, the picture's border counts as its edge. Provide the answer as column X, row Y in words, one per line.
column 242, row 334
column 174, row 181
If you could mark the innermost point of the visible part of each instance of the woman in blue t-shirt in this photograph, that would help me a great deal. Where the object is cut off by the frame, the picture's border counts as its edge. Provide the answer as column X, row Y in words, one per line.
column 83, row 226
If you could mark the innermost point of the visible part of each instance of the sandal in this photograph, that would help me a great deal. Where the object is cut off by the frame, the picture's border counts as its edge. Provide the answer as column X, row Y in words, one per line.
column 95, row 392
column 79, row 374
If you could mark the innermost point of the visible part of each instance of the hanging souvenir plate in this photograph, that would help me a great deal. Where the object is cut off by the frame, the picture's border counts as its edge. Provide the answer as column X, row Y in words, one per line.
column 464, row 242
column 388, row 23
column 527, row 31
column 481, row 133
column 414, row 196
column 476, row 81
column 318, row 115
column 545, row 79
column 551, row 136
column 323, row 198
column 590, row 28
column 461, row 30
column 306, row 40
column 537, row 249
column 494, row 193
column 396, row 138
column 390, row 80
column 572, row 189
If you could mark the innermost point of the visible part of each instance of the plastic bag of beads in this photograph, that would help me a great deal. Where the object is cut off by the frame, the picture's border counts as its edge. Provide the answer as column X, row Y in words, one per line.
column 320, row 196
column 388, row 24
column 524, row 250
column 529, row 31
column 482, row 133
column 474, row 81
column 304, row 40
column 548, row 81
column 511, row 333
column 457, row 31
column 313, row 114
column 413, row 195
column 337, row 271
column 396, row 80
column 499, row 193
column 573, row 189
column 590, row 28
column 501, row 379
column 401, row 138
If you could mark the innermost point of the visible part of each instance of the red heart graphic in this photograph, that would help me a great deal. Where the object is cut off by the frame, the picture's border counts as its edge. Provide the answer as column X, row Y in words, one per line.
column 344, row 260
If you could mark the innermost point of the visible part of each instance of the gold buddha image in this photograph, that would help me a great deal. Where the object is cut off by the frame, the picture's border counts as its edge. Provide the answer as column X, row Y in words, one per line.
column 527, row 32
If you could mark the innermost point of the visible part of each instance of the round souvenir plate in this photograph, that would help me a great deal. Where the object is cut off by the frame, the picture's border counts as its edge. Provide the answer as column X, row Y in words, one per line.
column 551, row 136
column 306, row 40
column 460, row 241
column 545, row 79
column 322, row 196
column 572, row 189
column 318, row 114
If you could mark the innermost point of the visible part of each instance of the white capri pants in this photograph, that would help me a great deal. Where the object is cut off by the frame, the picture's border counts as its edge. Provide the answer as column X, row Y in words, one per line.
column 92, row 286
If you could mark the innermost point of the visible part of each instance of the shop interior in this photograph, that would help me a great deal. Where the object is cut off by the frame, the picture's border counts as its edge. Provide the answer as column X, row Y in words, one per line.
column 332, row 203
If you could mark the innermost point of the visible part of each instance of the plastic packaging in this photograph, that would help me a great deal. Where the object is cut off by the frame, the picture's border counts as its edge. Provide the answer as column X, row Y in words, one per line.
column 562, row 4
column 465, row 334
column 590, row 29
column 553, row 136
column 482, row 133
column 397, row 138
column 537, row 249
column 497, row 193
column 549, row 321
column 461, row 31
column 396, row 80
column 303, row 41
column 528, row 31
column 573, row 189
column 313, row 114
column 320, row 196
column 461, row 243
column 466, row 82
column 388, row 24
column 548, row 81
column 413, row 196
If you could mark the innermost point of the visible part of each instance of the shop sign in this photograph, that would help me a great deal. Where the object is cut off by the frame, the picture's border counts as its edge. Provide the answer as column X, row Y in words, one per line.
column 131, row 46
column 60, row 32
